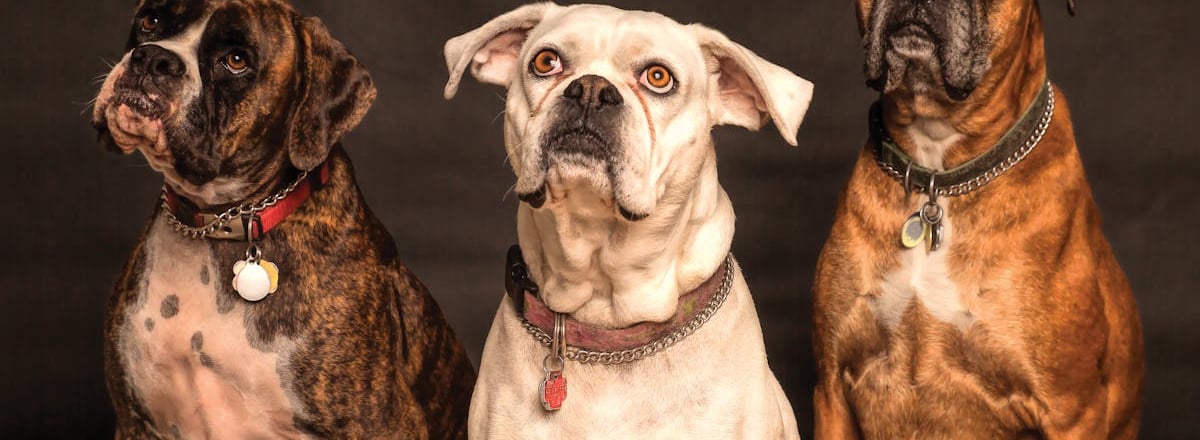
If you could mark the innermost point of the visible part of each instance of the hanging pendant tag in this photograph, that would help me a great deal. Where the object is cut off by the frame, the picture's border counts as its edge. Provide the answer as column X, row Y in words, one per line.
column 553, row 390
column 931, row 215
column 254, row 278
column 913, row 232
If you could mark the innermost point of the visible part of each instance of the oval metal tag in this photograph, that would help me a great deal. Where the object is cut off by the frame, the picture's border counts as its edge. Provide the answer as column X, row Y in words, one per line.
column 914, row 231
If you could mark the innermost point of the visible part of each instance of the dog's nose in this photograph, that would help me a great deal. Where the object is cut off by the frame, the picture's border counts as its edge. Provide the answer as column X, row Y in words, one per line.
column 156, row 61
column 593, row 91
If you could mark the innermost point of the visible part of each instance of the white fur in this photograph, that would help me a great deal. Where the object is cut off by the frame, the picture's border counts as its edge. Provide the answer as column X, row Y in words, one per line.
column 245, row 395
column 923, row 277
column 716, row 384
column 607, row 271
column 187, row 45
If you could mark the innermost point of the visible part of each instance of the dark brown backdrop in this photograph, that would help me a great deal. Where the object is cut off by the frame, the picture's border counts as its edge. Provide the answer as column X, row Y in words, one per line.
column 434, row 171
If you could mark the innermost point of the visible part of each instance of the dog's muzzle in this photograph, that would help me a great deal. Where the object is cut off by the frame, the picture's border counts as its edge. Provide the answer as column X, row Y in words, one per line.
column 590, row 105
column 584, row 129
column 153, row 74
column 949, row 37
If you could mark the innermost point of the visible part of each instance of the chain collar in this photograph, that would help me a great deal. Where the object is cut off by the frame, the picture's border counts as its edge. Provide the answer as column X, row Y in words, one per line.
column 223, row 226
column 977, row 172
column 582, row 355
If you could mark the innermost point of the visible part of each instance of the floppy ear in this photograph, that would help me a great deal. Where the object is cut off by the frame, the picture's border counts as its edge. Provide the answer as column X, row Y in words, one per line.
column 749, row 90
column 335, row 92
column 493, row 49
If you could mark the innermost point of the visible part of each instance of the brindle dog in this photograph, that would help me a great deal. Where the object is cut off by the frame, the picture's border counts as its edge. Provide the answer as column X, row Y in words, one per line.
column 230, row 100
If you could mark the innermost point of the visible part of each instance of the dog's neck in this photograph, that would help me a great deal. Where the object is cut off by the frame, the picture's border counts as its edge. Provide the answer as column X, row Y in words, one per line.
column 942, row 135
column 609, row 272
column 226, row 192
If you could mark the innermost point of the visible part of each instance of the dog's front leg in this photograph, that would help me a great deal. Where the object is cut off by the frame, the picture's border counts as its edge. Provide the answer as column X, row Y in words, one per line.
column 833, row 419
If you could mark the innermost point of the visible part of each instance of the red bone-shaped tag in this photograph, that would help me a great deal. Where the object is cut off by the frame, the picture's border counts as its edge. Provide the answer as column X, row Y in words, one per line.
column 553, row 391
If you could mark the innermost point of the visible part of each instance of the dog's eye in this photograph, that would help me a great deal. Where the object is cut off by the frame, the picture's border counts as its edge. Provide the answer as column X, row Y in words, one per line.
column 236, row 62
column 149, row 23
column 546, row 63
column 658, row 79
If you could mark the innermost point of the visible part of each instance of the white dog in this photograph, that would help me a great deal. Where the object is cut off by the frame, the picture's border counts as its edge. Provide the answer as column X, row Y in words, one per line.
column 625, row 229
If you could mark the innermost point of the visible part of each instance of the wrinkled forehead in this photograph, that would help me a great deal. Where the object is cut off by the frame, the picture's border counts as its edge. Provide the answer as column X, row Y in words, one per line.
column 603, row 32
column 230, row 21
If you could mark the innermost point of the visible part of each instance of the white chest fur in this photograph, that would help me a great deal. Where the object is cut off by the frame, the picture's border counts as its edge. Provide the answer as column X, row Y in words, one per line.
column 188, row 355
column 923, row 277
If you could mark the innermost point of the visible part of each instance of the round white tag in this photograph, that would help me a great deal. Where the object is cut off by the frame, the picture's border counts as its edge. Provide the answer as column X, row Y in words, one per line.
column 252, row 283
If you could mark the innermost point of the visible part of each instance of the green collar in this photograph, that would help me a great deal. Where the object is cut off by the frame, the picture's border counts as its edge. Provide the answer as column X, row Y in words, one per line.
column 1017, row 143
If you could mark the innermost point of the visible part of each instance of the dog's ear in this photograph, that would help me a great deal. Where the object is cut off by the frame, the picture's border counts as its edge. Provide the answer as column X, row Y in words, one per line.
column 335, row 92
column 492, row 50
column 748, row 90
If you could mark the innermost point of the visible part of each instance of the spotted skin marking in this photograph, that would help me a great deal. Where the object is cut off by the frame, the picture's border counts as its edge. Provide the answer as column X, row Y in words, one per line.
column 225, row 301
column 170, row 307
column 204, row 275
column 197, row 341
column 149, row 324
column 207, row 361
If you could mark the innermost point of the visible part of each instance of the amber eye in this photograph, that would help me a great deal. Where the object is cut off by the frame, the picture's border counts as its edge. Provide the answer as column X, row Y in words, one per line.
column 149, row 23
column 546, row 63
column 658, row 79
column 236, row 62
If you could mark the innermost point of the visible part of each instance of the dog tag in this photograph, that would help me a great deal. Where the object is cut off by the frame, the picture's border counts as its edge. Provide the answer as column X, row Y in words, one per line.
column 254, row 280
column 553, row 390
column 931, row 215
column 914, row 231
column 935, row 236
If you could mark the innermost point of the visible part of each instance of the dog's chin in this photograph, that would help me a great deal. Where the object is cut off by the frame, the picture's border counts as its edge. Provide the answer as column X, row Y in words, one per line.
column 582, row 176
column 912, row 63
column 135, row 122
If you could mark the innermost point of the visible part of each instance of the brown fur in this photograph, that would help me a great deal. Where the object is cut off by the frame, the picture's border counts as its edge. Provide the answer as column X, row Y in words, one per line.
column 1056, row 347
column 379, row 356
column 374, row 357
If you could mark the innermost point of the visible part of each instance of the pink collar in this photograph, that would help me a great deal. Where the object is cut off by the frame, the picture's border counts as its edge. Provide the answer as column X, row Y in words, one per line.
column 524, row 295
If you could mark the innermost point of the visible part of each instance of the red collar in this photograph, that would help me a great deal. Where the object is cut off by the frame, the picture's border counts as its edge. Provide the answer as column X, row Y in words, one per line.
column 263, row 221
column 524, row 295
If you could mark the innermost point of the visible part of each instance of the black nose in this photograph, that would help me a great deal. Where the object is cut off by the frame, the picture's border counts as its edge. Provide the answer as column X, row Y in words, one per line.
column 156, row 61
column 593, row 91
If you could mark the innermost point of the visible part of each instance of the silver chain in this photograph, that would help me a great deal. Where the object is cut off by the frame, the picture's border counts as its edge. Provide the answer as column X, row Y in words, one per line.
column 997, row 170
column 224, row 218
column 585, row 356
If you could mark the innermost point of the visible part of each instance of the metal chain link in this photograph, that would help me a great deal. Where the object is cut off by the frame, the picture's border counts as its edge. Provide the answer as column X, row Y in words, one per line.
column 197, row 232
column 585, row 356
column 997, row 170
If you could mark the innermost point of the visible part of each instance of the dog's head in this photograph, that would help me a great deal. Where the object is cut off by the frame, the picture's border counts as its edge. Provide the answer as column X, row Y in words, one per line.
column 618, row 101
column 221, row 96
column 940, row 48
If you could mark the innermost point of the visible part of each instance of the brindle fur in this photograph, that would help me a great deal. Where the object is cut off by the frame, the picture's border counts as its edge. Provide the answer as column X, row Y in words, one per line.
column 400, row 367
column 1054, row 347
column 374, row 356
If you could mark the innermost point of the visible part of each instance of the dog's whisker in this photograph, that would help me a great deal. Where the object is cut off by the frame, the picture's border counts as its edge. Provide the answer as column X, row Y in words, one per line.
column 511, row 189
column 87, row 105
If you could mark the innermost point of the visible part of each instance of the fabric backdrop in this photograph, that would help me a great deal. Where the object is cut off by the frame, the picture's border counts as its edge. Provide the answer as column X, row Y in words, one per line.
column 434, row 171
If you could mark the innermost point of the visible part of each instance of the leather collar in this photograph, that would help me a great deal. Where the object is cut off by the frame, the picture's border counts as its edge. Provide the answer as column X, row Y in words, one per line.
column 1019, row 140
column 524, row 295
column 259, row 224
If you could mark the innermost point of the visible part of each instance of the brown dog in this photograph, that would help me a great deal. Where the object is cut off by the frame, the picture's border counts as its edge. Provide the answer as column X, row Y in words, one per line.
column 323, row 332
column 1018, row 322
